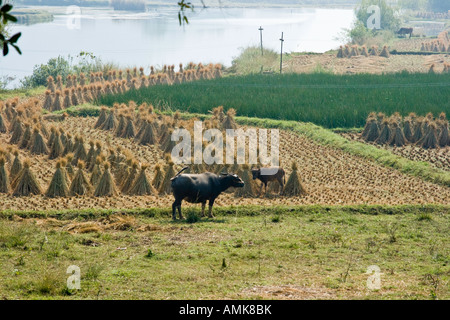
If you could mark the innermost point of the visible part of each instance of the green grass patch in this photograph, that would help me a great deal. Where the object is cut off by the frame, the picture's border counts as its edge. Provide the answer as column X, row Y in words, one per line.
column 21, row 93
column 326, row 248
column 327, row 100
column 247, row 210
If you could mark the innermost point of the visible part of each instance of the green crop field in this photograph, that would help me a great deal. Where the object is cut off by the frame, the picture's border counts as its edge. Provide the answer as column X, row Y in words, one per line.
column 328, row 100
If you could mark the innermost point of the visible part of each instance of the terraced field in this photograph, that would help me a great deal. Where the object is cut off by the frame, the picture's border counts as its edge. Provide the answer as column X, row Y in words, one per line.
column 331, row 177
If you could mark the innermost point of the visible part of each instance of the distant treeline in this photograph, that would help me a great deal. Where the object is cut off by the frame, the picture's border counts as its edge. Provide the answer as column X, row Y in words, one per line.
column 32, row 16
column 129, row 5
column 61, row 3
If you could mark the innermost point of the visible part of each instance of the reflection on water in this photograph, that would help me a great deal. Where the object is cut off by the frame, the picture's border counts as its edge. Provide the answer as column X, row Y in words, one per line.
column 155, row 37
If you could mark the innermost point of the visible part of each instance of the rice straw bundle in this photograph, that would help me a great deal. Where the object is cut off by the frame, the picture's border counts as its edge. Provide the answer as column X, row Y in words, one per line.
column 26, row 137
column 4, row 179
column 56, row 149
column 58, row 186
column 80, row 185
column 418, row 133
column 26, row 183
column 106, row 186
column 294, row 186
column 17, row 133
column 148, row 136
column 385, row 52
column 430, row 141
column 385, row 134
column 110, row 122
column 229, row 122
column 407, row 130
column 142, row 185
column 444, row 138
column 57, row 101
column 38, row 145
column 102, row 118
column 96, row 172
column 48, row 101
column 158, row 178
column 129, row 131
column 166, row 185
column 129, row 181
column 364, row 51
column 16, row 166
column 248, row 190
column 398, row 138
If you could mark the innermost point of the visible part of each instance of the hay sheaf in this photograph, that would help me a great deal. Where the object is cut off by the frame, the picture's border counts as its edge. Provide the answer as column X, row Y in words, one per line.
column 27, row 183
column 80, row 185
column 294, row 186
column 58, row 186
column 142, row 185
column 106, row 186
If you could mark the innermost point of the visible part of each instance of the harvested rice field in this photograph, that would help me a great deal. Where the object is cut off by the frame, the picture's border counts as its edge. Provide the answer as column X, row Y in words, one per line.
column 438, row 158
column 330, row 176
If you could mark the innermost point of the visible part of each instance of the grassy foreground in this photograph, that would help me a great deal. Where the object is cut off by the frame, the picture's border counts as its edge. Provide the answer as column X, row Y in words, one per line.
column 245, row 252
column 324, row 99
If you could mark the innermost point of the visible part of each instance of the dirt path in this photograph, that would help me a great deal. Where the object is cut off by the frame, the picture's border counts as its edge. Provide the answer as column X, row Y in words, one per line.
column 362, row 64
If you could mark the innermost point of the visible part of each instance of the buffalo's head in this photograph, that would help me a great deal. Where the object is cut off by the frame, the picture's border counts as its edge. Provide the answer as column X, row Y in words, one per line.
column 234, row 179
column 256, row 173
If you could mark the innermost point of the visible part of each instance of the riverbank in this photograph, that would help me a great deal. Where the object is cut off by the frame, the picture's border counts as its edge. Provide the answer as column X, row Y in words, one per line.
column 32, row 16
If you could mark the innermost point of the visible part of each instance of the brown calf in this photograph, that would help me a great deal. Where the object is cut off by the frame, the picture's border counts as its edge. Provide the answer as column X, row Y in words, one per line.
column 270, row 174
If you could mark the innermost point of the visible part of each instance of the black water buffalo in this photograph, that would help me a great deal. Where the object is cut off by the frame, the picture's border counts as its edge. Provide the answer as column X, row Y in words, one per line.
column 270, row 174
column 405, row 31
column 199, row 188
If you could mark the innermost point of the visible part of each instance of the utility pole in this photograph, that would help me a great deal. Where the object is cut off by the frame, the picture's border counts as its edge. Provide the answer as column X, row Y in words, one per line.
column 260, row 32
column 281, row 56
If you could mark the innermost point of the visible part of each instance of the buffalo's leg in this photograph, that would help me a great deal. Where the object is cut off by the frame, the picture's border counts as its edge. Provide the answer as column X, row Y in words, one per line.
column 260, row 189
column 211, row 203
column 179, row 212
column 280, row 181
column 203, row 208
column 176, row 204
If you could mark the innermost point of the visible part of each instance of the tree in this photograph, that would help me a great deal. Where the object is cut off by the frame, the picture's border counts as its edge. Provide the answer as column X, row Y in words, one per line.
column 417, row 5
column 6, row 17
column 439, row 5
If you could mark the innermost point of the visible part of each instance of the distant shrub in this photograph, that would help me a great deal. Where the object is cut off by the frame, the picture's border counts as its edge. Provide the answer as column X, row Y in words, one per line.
column 251, row 60
column 84, row 62
column 128, row 5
